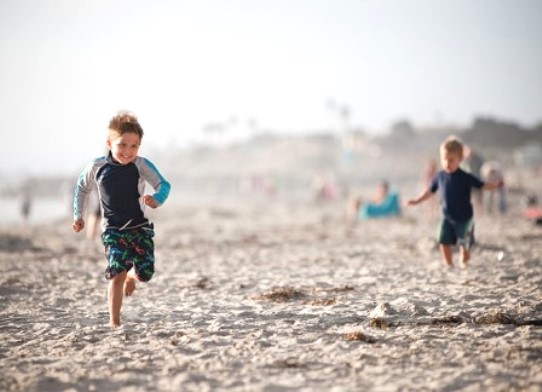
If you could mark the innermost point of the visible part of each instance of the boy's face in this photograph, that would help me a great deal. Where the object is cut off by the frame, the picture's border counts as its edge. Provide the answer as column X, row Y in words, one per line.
column 123, row 147
column 450, row 161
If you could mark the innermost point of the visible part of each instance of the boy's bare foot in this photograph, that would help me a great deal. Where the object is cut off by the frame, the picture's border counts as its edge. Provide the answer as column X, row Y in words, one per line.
column 446, row 252
column 448, row 263
column 114, row 324
column 465, row 257
column 129, row 285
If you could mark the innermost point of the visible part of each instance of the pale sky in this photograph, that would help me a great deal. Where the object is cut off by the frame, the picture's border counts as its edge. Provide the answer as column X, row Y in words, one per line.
column 67, row 66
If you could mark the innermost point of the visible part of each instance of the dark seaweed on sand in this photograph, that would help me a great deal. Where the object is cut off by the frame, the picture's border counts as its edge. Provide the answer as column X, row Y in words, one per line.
column 282, row 294
column 359, row 336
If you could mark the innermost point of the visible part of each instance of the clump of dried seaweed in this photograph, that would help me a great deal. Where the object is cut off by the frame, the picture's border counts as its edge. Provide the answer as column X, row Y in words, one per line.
column 359, row 336
column 321, row 302
column 282, row 294
column 495, row 317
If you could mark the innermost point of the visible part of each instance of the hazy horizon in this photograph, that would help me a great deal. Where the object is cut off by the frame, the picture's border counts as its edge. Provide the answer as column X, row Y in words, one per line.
column 240, row 67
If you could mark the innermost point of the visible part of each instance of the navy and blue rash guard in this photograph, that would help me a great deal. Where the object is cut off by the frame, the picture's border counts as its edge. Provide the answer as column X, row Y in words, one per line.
column 120, row 189
column 455, row 192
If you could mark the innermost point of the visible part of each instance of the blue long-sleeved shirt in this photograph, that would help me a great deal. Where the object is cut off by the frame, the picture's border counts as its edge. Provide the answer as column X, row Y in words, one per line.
column 120, row 190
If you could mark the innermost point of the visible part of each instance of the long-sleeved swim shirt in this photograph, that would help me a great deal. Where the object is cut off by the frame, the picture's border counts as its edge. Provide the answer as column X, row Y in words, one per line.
column 455, row 193
column 120, row 190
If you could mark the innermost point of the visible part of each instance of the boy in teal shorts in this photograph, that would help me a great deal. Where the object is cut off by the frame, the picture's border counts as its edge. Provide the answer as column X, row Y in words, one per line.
column 120, row 179
column 454, row 186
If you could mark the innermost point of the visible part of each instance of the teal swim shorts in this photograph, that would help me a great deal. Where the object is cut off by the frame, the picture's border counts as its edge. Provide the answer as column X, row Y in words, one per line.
column 452, row 233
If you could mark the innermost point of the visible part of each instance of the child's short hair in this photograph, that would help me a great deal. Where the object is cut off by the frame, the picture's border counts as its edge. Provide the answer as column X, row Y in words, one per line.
column 125, row 122
column 452, row 145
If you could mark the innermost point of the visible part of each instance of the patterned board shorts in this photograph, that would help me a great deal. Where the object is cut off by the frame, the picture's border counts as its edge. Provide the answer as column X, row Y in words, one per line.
column 129, row 248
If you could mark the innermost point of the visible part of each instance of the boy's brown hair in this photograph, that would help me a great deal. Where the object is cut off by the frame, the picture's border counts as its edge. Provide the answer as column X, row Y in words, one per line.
column 125, row 122
column 452, row 145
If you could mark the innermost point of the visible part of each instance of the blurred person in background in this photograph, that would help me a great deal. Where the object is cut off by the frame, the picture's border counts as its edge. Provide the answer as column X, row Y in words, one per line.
column 324, row 187
column 384, row 203
column 26, row 205
column 472, row 163
column 429, row 173
column 492, row 172
column 93, row 218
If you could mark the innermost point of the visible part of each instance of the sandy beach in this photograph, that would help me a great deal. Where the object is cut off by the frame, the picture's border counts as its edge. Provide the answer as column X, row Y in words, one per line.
column 271, row 134
column 289, row 299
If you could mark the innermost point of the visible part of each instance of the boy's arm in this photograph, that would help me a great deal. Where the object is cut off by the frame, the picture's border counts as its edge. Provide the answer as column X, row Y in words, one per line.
column 81, row 193
column 487, row 186
column 161, row 186
column 421, row 198
column 491, row 186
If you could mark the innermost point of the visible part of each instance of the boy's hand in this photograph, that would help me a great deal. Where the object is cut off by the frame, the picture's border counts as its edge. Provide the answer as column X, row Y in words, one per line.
column 150, row 201
column 411, row 202
column 78, row 225
column 494, row 185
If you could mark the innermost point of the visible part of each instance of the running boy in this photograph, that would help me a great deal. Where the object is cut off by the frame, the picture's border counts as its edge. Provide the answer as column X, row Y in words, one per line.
column 454, row 186
column 127, row 234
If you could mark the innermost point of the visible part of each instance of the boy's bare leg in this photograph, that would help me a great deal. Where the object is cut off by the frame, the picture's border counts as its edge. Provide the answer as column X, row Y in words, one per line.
column 446, row 252
column 464, row 257
column 130, row 283
column 115, row 294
